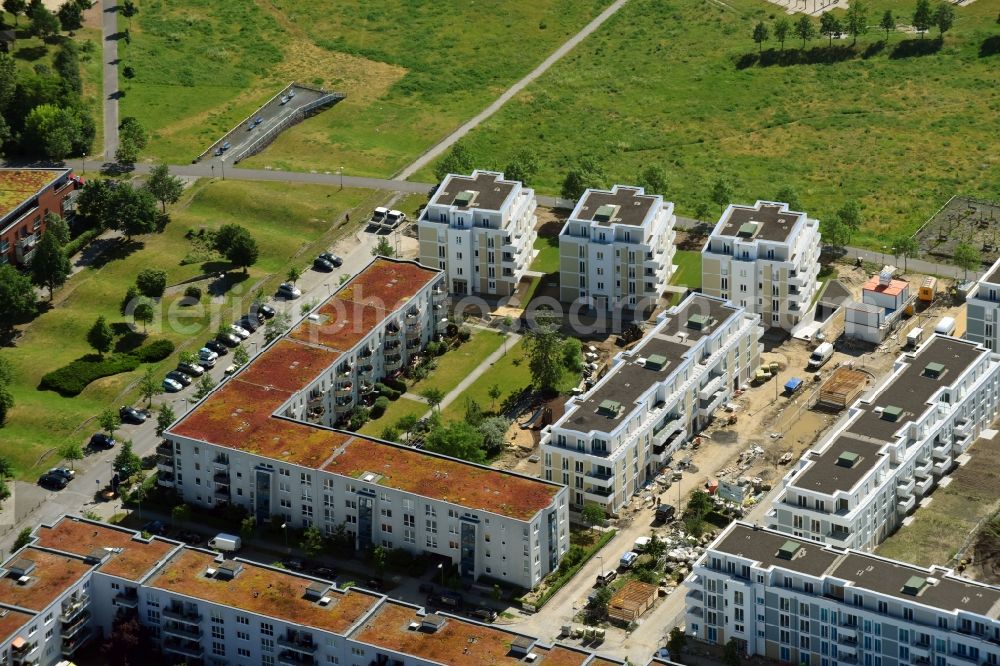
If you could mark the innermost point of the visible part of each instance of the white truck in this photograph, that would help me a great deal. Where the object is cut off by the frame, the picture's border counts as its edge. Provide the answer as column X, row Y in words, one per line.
column 946, row 326
column 914, row 337
column 820, row 356
column 227, row 543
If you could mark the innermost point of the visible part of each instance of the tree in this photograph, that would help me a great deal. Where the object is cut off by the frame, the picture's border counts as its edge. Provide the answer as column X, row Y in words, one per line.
column 849, row 215
column 248, row 526
column 829, row 25
column 127, row 463
column 379, row 559
column 70, row 16
column 15, row 7
column 944, row 17
column 543, row 345
column 130, row 300
column 804, row 29
column 151, row 282
column 390, row 433
column 164, row 187
column 49, row 264
column 17, row 297
column 180, row 514
column 781, row 29
column 276, row 326
column 6, row 402
column 967, row 257
column 922, row 17
column 433, row 396
column 6, row 469
column 572, row 355
column 494, row 394
column 597, row 604
column 906, row 247
column 731, row 653
column 72, row 451
column 23, row 539
column 888, row 23
column 164, row 418
column 312, row 541
column 43, row 22
column 760, row 34
column 523, row 166
column 407, row 423
column 93, row 203
column 494, row 432
column 587, row 174
column 592, row 513
column 458, row 160
column 205, row 386
column 653, row 179
column 131, row 210
column 857, row 19
column 67, row 64
column 722, row 192
column 56, row 132
column 788, row 195
column 100, row 336
column 127, row 644
column 457, row 439
column 149, row 386
column 143, row 312
column 131, row 140
column 676, row 642
column 293, row 275
column 58, row 227
column 237, row 245
column 473, row 412
column 240, row 356
column 129, row 9
column 383, row 248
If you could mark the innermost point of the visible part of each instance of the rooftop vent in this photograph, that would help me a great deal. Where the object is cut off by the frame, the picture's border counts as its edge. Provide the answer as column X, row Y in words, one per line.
column 22, row 566
column 914, row 585
column 609, row 408
column 933, row 370
column 465, row 197
column 848, row 459
column 316, row 590
column 522, row 645
column 432, row 622
column 413, row 626
column 96, row 556
column 789, row 549
column 605, row 213
column 656, row 362
column 699, row 321
column 748, row 229
column 891, row 413
column 228, row 570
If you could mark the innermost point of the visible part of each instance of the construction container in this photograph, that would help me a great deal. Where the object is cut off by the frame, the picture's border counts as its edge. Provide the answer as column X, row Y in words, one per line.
column 926, row 292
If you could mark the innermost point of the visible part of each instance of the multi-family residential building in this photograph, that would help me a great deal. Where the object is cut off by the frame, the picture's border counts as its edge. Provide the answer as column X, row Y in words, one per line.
column 801, row 602
column 983, row 309
column 26, row 197
column 854, row 488
column 617, row 249
column 616, row 437
column 78, row 577
column 764, row 258
column 479, row 230
column 264, row 441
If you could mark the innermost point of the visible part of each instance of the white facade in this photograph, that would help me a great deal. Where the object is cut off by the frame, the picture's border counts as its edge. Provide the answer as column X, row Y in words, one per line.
column 479, row 230
column 764, row 258
column 983, row 309
column 854, row 488
column 614, row 439
column 805, row 603
column 617, row 249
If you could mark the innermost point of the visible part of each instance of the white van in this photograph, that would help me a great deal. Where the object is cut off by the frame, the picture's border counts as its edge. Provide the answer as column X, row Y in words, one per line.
column 227, row 543
column 820, row 356
column 946, row 326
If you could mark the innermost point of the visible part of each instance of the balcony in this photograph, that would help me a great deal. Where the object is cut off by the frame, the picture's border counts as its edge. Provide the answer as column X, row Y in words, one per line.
column 289, row 658
column 923, row 469
column 392, row 331
column 165, row 479
column 221, row 460
column 941, row 451
column 180, row 631
column 22, row 656
column 413, row 332
column 344, row 388
column 367, row 388
column 181, row 615
column 599, row 495
column 295, row 643
column 851, row 641
column 694, row 594
column 904, row 487
column 185, row 648
column 847, row 658
column 343, row 405
column 165, row 464
column 961, row 444
column 709, row 407
column 601, row 479
column 695, row 611
column 127, row 599
column 345, row 370
column 165, row 449
column 393, row 362
column 838, row 537
column 924, row 485
column 941, row 467
column 221, row 477
column 222, row 493
column 366, row 370
column 963, row 428
column 71, row 609
column 906, row 505
column 71, row 646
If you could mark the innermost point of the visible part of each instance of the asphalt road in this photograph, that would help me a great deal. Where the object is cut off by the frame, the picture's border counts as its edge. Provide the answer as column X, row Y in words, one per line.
column 109, row 26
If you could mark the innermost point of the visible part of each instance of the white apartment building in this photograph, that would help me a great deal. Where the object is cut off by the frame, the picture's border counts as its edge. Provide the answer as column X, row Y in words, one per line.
column 982, row 309
column 854, row 488
column 615, row 438
column 479, row 230
column 262, row 441
column 79, row 577
column 764, row 258
column 617, row 249
column 800, row 602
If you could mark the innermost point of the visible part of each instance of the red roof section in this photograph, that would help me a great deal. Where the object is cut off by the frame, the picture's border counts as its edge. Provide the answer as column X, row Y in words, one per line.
column 894, row 288
column 288, row 365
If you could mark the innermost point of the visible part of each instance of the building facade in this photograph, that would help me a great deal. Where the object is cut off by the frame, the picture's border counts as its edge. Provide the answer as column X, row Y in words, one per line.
column 764, row 258
column 26, row 197
column 800, row 602
column 893, row 446
column 617, row 437
column 264, row 441
column 617, row 249
column 479, row 230
column 983, row 309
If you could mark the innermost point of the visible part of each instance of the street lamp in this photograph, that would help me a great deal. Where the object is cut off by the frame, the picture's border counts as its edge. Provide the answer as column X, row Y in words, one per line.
column 601, row 558
column 223, row 163
column 341, row 172
column 85, row 163
column 213, row 171
column 441, row 569
column 284, row 526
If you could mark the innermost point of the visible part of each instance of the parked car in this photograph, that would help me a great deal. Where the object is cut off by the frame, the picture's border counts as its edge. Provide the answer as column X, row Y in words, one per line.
column 291, row 93
column 218, row 151
column 284, row 100
column 228, row 339
column 226, row 145
column 217, row 347
column 207, row 363
column 321, row 264
column 230, row 369
column 155, row 527
column 325, row 572
column 64, row 472
column 171, row 385
column 662, row 653
column 249, row 323
column 484, row 614
column 288, row 290
column 294, row 565
column 192, row 369
column 180, row 377
column 628, row 559
column 332, row 258
column 187, row 536
column 258, row 120
column 606, row 578
column 265, row 310
column 131, row 415
column 239, row 331
column 100, row 440
column 207, row 354
column 52, row 481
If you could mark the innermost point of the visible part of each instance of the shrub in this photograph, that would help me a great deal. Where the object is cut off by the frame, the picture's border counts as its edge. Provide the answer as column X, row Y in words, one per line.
column 435, row 348
column 155, row 351
column 395, row 384
column 464, row 333
column 72, row 378
column 193, row 292
column 381, row 404
column 81, row 241
column 151, row 282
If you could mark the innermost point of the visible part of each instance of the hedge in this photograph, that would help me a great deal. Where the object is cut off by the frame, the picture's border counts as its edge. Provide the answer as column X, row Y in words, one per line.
column 71, row 379
column 81, row 241
column 381, row 404
column 395, row 384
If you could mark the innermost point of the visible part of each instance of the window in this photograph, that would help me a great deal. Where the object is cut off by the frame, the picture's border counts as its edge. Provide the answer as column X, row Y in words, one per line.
column 219, row 648
column 243, row 652
column 266, row 629
column 218, row 632
column 243, row 635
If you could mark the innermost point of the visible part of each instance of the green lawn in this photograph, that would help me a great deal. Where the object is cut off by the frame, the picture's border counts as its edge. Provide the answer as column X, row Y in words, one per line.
column 457, row 363
column 659, row 84
column 285, row 219
column 688, row 273
column 202, row 66
column 397, row 410
column 547, row 259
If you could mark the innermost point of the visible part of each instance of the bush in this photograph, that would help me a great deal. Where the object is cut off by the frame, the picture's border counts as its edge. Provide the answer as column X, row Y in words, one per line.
column 151, row 282
column 193, row 292
column 81, row 241
column 435, row 348
column 464, row 333
column 72, row 378
column 155, row 351
column 395, row 384
column 381, row 404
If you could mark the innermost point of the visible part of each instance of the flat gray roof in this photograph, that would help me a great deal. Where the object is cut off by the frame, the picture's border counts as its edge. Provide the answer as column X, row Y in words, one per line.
column 624, row 204
column 773, row 224
column 993, row 276
column 869, row 430
column 762, row 546
column 630, row 379
column 490, row 191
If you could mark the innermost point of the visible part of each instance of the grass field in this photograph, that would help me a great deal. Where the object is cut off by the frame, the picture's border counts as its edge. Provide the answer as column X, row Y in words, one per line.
column 457, row 363
column 547, row 259
column 688, row 273
column 659, row 84
column 283, row 218
column 397, row 410
column 940, row 528
column 201, row 66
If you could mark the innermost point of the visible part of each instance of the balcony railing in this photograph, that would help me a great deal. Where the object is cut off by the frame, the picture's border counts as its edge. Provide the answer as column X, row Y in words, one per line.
column 72, row 629
column 181, row 615
column 289, row 658
column 127, row 599
column 72, row 608
column 165, row 449
column 179, row 630
column 298, row 644
column 184, row 648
